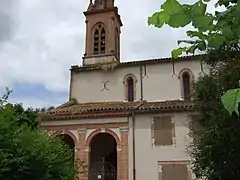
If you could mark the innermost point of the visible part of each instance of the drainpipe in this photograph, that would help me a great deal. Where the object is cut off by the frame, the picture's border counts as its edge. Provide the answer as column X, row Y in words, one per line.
column 133, row 145
column 141, row 82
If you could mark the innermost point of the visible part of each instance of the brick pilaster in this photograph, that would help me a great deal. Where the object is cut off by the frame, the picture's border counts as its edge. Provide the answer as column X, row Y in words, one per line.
column 123, row 165
column 81, row 153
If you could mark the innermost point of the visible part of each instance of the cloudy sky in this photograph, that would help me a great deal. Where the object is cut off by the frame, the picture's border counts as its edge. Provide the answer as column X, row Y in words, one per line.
column 41, row 39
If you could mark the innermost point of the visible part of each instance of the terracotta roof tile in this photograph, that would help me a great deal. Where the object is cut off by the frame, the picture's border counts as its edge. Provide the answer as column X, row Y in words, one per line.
column 134, row 63
column 113, row 109
column 94, row 107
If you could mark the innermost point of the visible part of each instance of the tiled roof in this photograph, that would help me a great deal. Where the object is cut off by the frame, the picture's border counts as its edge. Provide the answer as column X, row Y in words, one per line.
column 135, row 63
column 73, row 110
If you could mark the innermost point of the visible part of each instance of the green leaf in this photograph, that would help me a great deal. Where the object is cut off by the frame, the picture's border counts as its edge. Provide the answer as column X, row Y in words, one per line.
column 178, row 52
column 158, row 19
column 198, row 34
column 231, row 100
column 202, row 46
column 186, row 41
column 216, row 40
column 198, row 9
column 191, row 49
column 172, row 7
column 203, row 23
column 179, row 20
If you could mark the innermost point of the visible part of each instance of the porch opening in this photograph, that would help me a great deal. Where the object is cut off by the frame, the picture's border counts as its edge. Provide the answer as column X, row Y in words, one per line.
column 103, row 157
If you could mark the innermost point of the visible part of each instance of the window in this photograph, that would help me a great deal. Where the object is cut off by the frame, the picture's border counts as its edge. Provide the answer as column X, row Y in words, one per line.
column 163, row 131
column 174, row 171
column 129, row 82
column 186, row 85
column 186, row 81
column 130, row 85
column 99, row 45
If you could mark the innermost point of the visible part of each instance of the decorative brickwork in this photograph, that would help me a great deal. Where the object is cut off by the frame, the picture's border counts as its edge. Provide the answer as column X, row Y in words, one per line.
column 82, row 143
column 55, row 134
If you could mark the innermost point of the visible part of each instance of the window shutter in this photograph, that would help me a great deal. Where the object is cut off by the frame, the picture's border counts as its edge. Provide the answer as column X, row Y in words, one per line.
column 174, row 171
column 163, row 130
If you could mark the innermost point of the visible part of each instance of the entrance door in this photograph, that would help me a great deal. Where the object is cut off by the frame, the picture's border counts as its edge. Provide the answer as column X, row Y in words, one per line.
column 103, row 157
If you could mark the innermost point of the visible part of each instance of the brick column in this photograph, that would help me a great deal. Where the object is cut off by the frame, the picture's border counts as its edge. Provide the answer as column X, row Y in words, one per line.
column 81, row 153
column 122, row 172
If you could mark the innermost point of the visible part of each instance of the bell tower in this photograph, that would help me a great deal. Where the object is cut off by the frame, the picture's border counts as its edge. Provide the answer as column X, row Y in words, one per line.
column 103, row 28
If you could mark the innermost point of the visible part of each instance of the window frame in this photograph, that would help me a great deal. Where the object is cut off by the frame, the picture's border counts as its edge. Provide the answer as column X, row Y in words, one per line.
column 191, row 80
column 126, row 90
column 99, row 39
column 173, row 131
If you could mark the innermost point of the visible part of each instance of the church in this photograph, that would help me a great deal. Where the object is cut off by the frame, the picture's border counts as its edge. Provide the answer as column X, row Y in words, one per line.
column 126, row 120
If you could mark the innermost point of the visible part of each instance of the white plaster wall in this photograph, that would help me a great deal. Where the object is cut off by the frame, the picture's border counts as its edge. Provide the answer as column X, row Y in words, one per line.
column 160, row 84
column 148, row 155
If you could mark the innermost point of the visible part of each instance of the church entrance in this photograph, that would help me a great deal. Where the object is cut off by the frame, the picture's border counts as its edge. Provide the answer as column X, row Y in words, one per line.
column 103, row 157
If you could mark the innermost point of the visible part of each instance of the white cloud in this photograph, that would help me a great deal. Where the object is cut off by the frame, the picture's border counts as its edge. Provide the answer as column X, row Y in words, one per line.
column 37, row 103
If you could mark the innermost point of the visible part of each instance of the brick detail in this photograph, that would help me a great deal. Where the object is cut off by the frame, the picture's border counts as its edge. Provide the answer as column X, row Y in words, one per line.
column 123, row 158
column 83, row 148
column 81, row 154
column 89, row 138
column 55, row 134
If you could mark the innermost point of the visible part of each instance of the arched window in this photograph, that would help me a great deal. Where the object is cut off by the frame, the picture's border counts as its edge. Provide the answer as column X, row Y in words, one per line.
column 99, row 45
column 186, row 78
column 186, row 85
column 130, row 87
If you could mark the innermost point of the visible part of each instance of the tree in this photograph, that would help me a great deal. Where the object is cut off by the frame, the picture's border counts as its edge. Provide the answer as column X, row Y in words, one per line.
column 216, row 151
column 27, row 153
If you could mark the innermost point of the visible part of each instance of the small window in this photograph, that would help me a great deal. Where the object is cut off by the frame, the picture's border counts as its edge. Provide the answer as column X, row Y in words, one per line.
column 186, row 81
column 129, row 82
column 99, row 42
column 130, row 86
column 163, row 131
column 186, row 85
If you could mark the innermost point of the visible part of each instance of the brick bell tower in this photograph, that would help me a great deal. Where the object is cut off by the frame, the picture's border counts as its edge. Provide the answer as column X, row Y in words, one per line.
column 103, row 24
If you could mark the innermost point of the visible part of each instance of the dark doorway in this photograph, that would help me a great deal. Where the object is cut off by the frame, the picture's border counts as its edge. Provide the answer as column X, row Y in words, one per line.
column 103, row 157
column 67, row 140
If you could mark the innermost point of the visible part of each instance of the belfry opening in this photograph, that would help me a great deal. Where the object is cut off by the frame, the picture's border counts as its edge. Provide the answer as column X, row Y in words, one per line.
column 103, row 157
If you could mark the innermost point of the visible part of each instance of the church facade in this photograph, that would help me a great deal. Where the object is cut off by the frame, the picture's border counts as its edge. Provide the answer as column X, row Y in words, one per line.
column 126, row 120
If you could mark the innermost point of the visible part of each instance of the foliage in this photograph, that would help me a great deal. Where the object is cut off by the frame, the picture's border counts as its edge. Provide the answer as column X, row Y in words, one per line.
column 216, row 151
column 215, row 154
column 231, row 100
column 27, row 153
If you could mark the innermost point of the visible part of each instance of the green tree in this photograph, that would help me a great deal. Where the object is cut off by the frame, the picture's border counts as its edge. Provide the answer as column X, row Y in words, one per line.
column 27, row 153
column 216, row 151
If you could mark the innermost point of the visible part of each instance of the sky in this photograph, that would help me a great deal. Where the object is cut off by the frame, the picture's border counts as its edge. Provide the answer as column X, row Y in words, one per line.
column 41, row 39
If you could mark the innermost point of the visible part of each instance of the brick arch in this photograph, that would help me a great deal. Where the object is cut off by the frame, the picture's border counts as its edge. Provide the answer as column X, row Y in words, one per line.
column 98, row 131
column 67, row 133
